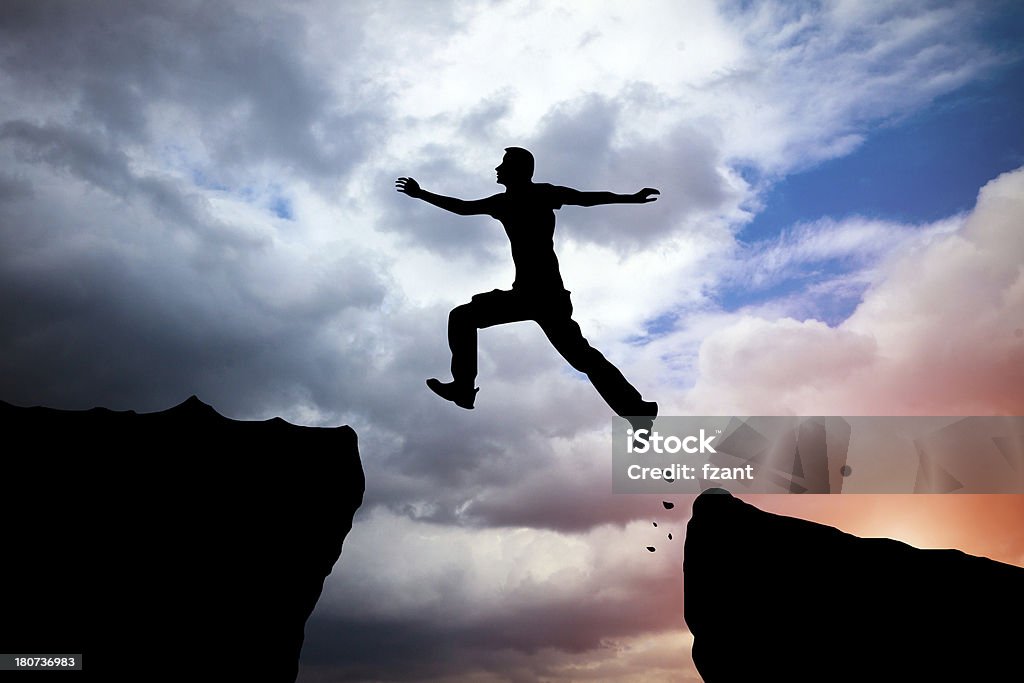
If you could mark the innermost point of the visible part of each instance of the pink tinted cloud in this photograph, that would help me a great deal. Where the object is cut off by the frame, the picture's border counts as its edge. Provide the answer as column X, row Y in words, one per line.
column 940, row 332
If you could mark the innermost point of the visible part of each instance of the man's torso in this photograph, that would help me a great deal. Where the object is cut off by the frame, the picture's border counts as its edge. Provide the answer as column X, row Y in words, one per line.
column 528, row 216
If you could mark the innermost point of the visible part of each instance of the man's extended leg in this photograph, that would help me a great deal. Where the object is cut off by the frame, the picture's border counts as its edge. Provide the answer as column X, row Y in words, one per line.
column 484, row 310
column 618, row 393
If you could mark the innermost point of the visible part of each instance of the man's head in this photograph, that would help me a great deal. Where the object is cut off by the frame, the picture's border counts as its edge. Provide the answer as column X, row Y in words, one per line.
column 515, row 167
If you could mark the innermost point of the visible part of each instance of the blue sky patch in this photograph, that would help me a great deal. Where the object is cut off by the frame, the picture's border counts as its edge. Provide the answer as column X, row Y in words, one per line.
column 915, row 170
column 282, row 207
column 921, row 169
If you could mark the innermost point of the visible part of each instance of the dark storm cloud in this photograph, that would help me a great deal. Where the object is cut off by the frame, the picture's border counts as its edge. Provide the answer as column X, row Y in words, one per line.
column 104, row 166
column 123, row 286
column 564, row 501
column 240, row 79
column 501, row 471
column 72, row 151
column 13, row 187
column 388, row 649
column 84, row 326
column 443, row 458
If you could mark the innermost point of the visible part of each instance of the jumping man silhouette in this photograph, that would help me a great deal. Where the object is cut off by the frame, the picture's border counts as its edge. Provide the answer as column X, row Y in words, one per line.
column 527, row 211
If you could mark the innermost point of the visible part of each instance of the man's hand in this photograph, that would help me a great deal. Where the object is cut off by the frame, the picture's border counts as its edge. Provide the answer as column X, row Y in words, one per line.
column 644, row 195
column 410, row 187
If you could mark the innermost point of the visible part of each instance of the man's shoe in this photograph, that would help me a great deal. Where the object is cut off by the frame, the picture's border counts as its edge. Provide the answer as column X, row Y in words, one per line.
column 645, row 420
column 450, row 391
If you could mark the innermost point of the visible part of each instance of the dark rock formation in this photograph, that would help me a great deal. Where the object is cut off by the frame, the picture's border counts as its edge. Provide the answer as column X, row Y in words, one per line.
column 772, row 598
column 178, row 545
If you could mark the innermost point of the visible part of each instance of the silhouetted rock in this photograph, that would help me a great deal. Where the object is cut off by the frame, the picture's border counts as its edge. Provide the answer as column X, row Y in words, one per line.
column 177, row 545
column 772, row 598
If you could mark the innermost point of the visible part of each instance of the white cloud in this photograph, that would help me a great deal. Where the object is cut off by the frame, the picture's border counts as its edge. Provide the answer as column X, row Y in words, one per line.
column 857, row 242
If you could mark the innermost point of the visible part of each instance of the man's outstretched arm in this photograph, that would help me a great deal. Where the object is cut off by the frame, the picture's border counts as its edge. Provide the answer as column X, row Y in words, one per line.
column 577, row 198
column 460, row 206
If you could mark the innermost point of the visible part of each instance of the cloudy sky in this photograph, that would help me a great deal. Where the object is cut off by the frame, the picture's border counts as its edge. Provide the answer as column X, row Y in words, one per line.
column 197, row 198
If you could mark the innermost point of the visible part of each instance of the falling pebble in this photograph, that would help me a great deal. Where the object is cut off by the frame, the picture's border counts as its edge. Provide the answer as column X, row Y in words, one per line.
column 668, row 505
column 669, row 480
column 670, row 537
column 846, row 470
column 655, row 524
column 650, row 548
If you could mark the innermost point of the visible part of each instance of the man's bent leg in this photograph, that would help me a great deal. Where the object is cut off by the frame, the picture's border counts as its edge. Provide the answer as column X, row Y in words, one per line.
column 462, row 342
column 484, row 310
